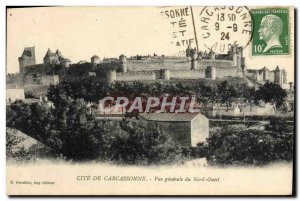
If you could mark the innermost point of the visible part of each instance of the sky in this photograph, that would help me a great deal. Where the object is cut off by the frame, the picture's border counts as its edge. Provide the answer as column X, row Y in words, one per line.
column 81, row 32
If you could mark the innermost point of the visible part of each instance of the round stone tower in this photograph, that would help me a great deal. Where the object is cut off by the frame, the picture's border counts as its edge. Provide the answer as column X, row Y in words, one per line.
column 123, row 61
column 234, row 55
column 265, row 74
column 210, row 72
column 111, row 76
column 278, row 76
column 95, row 60
column 166, row 74
column 193, row 59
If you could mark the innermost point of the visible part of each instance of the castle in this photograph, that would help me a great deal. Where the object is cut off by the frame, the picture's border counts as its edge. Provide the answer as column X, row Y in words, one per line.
column 195, row 65
column 56, row 58
column 28, row 58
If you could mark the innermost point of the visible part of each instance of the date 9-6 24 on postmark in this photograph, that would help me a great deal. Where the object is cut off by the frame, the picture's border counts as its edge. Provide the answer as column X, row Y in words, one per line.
column 270, row 31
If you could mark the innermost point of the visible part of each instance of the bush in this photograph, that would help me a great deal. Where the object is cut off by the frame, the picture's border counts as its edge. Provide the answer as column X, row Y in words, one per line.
column 236, row 146
column 72, row 131
column 280, row 125
column 29, row 94
column 136, row 144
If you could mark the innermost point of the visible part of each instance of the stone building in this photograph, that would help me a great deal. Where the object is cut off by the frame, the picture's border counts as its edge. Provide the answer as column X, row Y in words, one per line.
column 14, row 94
column 188, row 129
column 263, row 75
column 36, row 79
column 65, row 62
column 27, row 58
column 55, row 58
column 95, row 60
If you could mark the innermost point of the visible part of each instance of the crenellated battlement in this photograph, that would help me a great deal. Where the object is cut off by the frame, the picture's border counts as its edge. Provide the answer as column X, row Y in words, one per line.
column 187, row 70
column 134, row 76
column 135, row 73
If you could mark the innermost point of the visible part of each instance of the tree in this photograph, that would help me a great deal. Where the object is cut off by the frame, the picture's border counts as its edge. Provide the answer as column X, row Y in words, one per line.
column 17, row 116
column 271, row 92
column 77, row 129
column 137, row 144
column 206, row 93
column 241, row 146
column 226, row 93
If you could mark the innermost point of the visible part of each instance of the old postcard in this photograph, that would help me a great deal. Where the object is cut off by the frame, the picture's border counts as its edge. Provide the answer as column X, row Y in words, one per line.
column 150, row 100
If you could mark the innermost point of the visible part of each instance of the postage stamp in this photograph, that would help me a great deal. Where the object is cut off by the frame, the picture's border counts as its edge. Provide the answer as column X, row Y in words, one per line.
column 270, row 31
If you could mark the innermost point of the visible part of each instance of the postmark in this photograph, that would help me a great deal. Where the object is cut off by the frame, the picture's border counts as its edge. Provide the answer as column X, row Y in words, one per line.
column 270, row 31
column 222, row 26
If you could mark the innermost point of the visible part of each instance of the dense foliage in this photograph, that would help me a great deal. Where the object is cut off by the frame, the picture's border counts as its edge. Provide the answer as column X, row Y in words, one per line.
column 271, row 93
column 136, row 144
column 44, row 69
column 75, row 133
column 70, row 127
column 91, row 89
column 235, row 145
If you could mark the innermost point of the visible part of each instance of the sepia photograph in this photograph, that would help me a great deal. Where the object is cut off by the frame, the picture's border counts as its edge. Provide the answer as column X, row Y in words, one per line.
column 150, row 100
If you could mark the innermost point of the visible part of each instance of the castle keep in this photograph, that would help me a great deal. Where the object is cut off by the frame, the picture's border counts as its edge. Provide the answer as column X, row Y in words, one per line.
column 27, row 58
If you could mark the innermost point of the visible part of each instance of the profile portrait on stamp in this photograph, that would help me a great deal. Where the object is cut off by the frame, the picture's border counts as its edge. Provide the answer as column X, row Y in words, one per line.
column 270, row 31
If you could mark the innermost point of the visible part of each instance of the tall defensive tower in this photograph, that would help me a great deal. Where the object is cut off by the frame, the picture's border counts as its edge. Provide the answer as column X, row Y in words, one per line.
column 27, row 58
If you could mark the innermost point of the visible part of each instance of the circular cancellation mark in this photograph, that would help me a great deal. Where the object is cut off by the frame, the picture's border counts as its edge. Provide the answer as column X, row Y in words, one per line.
column 223, row 26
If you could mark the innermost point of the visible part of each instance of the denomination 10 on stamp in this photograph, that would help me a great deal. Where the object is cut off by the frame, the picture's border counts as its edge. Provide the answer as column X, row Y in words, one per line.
column 270, row 31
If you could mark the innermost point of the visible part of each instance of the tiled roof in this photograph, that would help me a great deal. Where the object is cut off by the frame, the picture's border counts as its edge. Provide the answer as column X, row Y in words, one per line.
column 169, row 116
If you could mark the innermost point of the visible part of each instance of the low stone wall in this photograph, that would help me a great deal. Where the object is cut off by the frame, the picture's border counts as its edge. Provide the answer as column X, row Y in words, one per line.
column 158, row 64
column 132, row 76
column 216, row 63
column 41, row 80
column 180, row 64
column 187, row 74
column 223, row 72
column 36, row 89
column 47, row 80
